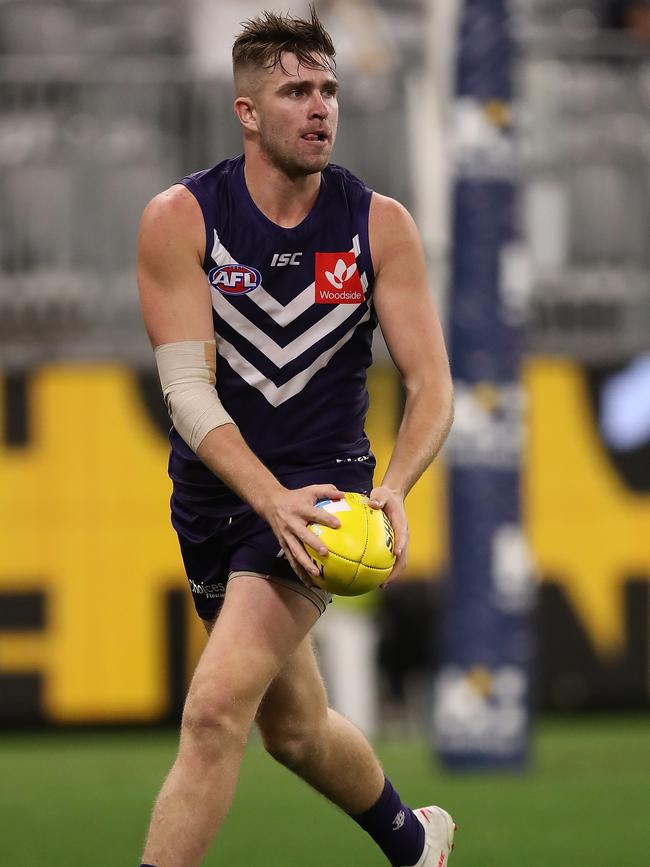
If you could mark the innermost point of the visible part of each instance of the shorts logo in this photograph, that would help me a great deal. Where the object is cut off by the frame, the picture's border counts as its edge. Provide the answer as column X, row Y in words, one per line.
column 210, row 591
column 235, row 279
column 337, row 279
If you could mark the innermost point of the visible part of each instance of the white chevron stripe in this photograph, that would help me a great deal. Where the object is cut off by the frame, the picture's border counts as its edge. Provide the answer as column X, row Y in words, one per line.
column 280, row 313
column 281, row 355
column 274, row 394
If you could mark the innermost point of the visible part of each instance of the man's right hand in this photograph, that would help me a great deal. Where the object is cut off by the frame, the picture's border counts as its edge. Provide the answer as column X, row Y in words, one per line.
column 289, row 512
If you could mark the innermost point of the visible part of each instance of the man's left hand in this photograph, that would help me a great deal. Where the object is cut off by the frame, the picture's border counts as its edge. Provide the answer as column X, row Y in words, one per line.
column 392, row 504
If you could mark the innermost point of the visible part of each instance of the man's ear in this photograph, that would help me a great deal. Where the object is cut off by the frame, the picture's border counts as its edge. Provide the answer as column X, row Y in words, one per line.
column 246, row 113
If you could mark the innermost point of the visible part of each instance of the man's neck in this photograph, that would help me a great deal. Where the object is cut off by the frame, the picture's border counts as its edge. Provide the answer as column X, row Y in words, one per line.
column 284, row 200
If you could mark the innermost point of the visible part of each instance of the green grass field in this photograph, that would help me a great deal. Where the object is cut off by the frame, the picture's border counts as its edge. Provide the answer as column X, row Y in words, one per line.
column 82, row 800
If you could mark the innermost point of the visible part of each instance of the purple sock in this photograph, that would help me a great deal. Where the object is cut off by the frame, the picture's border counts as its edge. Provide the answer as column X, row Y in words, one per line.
column 394, row 828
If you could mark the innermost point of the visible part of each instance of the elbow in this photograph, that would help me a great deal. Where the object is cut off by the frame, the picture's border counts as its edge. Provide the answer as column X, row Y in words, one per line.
column 433, row 386
column 451, row 400
column 451, row 410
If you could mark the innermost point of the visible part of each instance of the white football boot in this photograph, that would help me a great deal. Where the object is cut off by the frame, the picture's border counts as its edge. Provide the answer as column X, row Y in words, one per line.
column 439, row 830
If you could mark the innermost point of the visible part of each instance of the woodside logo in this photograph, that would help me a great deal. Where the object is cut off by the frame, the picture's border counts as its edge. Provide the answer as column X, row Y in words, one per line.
column 337, row 279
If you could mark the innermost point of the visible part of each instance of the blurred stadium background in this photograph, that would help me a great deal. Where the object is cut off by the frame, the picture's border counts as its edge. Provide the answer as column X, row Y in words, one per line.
column 105, row 102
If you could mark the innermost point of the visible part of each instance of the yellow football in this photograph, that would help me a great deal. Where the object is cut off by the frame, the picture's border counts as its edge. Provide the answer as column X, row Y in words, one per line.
column 360, row 552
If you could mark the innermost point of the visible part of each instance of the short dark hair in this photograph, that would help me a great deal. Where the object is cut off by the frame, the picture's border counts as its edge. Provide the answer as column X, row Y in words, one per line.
column 264, row 39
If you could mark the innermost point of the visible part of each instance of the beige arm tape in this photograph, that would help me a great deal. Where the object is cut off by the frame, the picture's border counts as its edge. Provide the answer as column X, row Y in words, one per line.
column 188, row 372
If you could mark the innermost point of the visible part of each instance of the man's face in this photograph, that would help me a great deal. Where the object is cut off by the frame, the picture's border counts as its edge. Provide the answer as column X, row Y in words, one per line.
column 297, row 115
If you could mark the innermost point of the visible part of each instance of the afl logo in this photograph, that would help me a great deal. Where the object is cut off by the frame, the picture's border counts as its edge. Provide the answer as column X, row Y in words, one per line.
column 235, row 279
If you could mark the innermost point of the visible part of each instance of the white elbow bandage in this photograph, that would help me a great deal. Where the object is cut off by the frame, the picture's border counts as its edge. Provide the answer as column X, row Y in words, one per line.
column 188, row 372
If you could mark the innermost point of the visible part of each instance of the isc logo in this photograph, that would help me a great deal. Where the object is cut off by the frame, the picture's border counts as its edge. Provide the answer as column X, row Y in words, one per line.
column 280, row 259
column 235, row 279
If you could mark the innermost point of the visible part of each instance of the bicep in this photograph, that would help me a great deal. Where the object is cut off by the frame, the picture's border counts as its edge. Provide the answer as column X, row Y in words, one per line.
column 405, row 309
column 174, row 291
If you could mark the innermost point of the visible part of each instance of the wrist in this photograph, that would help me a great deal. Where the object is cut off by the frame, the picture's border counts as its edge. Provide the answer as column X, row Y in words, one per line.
column 264, row 495
column 394, row 488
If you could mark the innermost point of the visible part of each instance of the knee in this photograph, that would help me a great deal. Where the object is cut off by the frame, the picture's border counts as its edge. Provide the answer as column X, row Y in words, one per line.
column 213, row 720
column 295, row 744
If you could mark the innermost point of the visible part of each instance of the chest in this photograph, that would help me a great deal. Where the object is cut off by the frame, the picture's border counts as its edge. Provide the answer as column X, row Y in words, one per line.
column 285, row 277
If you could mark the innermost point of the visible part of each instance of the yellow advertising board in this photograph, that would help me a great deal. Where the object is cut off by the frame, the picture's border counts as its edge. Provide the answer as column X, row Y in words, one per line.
column 90, row 572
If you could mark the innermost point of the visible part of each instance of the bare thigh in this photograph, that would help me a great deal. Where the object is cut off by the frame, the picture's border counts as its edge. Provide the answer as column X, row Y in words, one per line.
column 259, row 627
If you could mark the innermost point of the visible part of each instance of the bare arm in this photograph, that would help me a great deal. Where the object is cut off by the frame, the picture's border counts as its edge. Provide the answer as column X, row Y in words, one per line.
column 176, row 306
column 411, row 328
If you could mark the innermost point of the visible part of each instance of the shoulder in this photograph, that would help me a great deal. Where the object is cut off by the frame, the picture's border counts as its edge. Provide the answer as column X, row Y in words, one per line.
column 389, row 213
column 176, row 204
column 181, row 207
column 390, row 227
column 170, row 221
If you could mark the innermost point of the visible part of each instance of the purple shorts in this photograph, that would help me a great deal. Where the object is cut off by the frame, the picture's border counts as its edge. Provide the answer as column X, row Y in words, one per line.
column 216, row 549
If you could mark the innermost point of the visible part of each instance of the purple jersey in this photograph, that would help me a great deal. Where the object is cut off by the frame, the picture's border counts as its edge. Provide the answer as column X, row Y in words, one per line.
column 293, row 322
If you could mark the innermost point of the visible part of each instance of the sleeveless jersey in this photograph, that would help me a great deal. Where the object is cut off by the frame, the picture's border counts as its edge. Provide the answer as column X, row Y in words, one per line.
column 293, row 321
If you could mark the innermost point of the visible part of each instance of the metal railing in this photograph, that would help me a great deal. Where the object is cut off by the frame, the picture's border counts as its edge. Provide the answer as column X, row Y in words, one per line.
column 586, row 154
column 83, row 149
column 81, row 152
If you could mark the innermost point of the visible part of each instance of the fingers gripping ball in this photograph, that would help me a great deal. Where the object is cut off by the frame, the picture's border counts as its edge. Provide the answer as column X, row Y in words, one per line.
column 361, row 551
